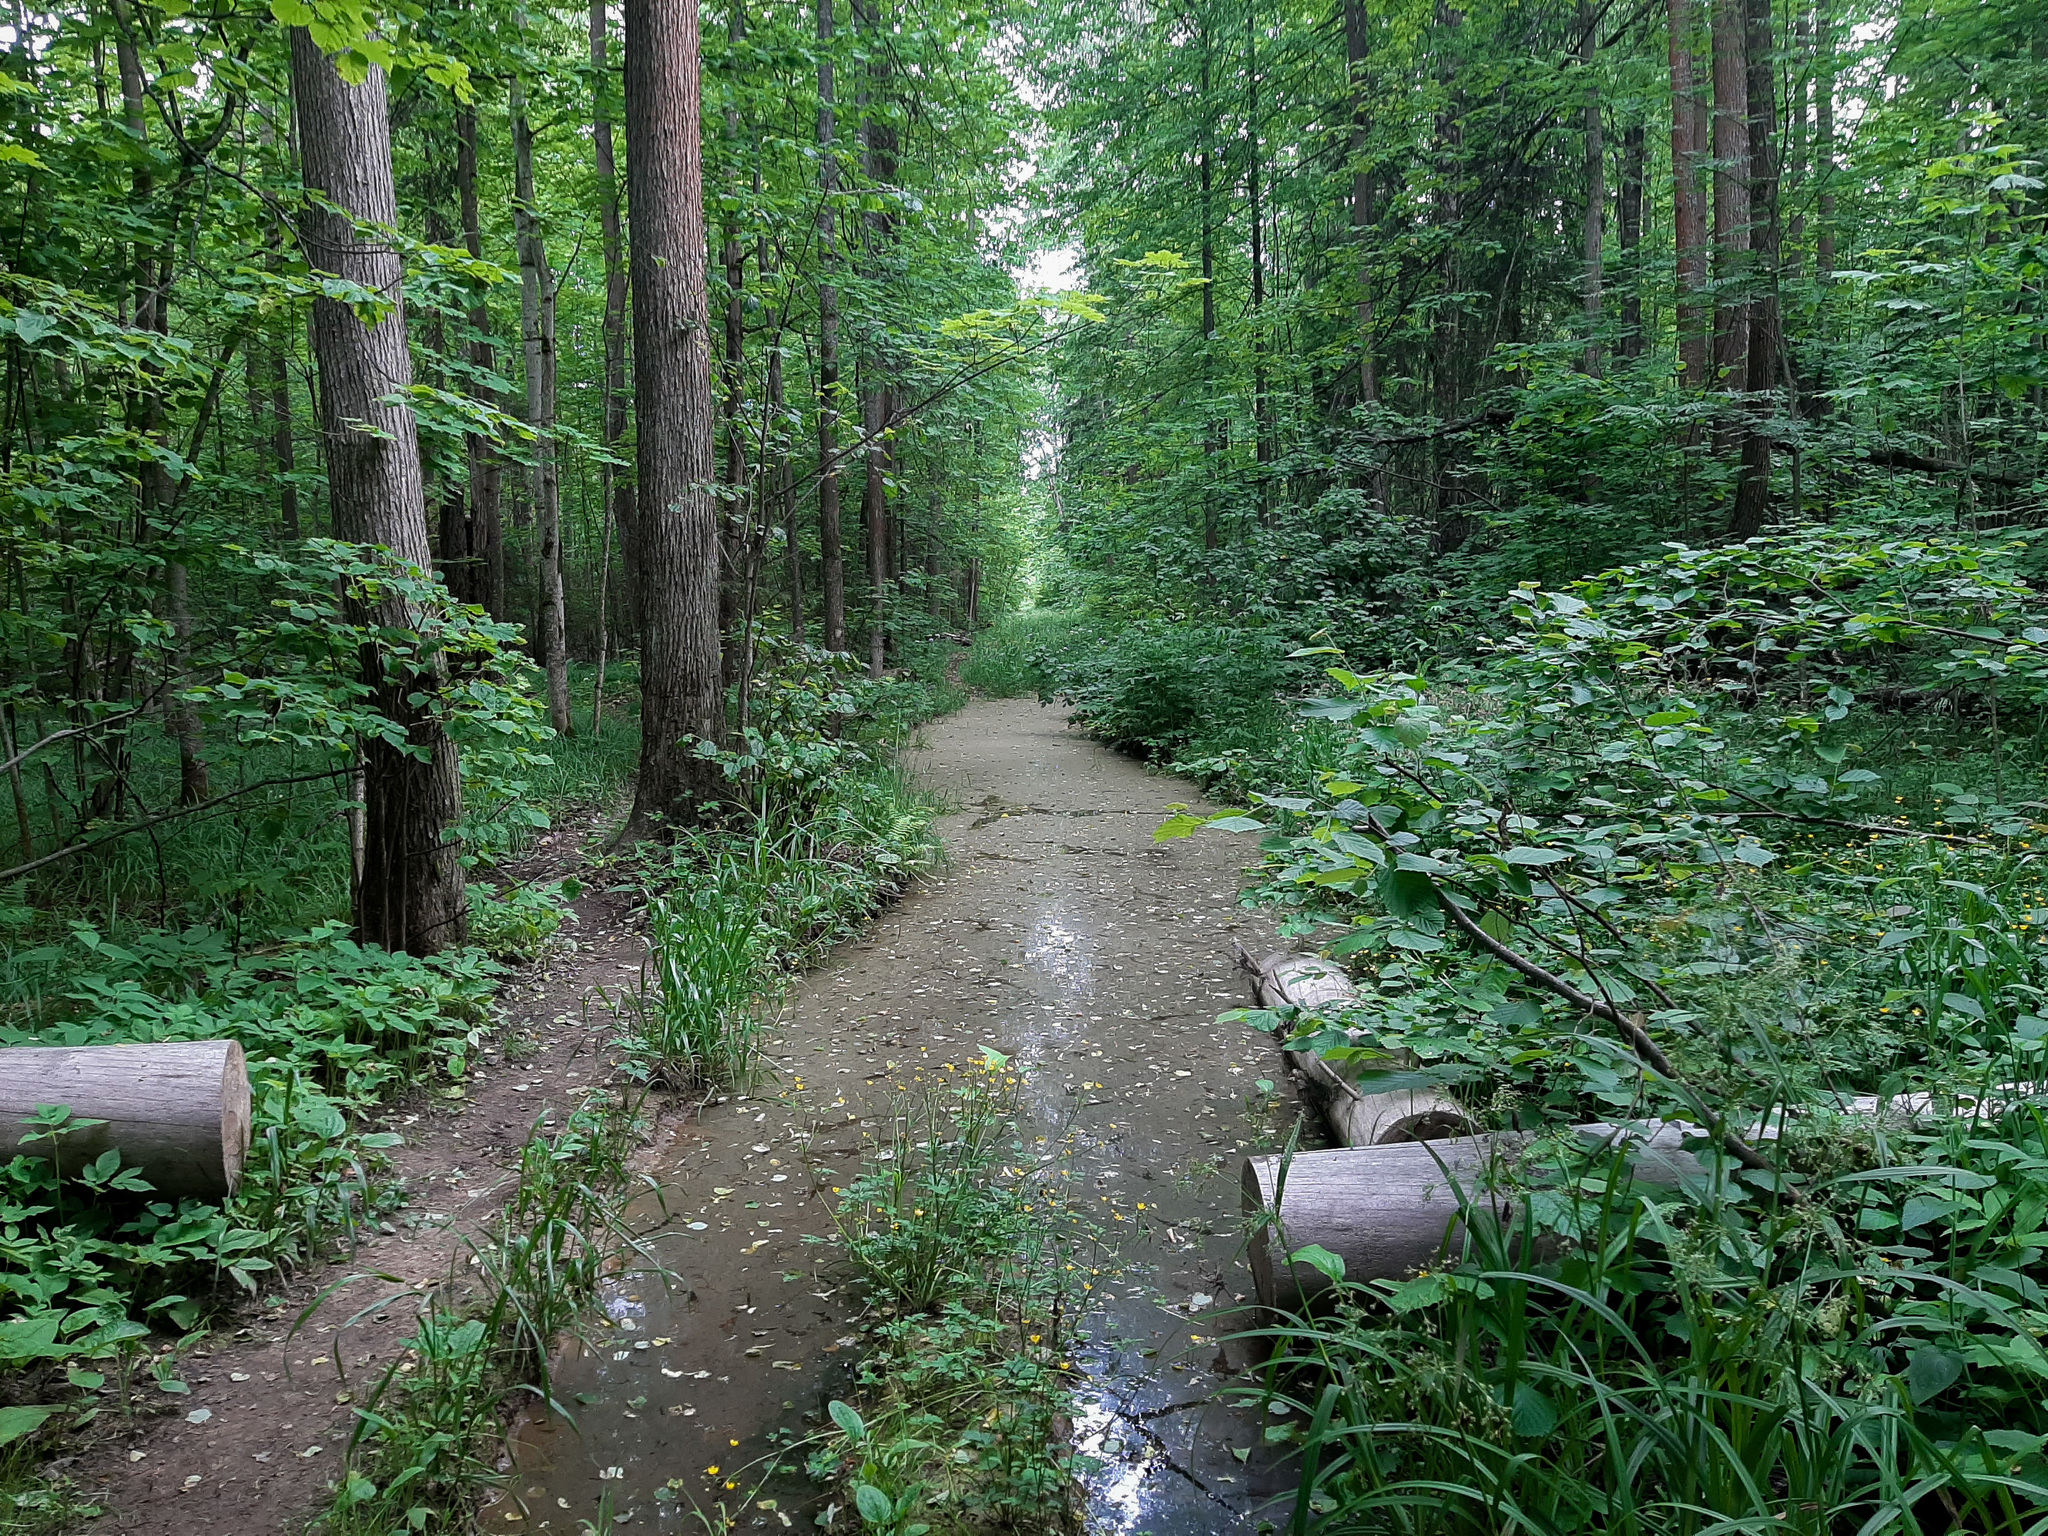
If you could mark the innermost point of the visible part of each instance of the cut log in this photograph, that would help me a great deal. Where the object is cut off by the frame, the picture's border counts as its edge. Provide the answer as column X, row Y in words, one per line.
column 1357, row 1119
column 1390, row 1210
column 178, row 1111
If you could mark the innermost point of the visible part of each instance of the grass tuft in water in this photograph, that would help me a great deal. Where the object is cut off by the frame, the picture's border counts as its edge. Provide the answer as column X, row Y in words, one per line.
column 974, row 1266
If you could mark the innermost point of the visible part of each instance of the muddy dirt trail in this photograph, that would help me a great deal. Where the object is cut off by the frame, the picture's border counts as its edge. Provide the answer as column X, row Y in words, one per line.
column 1061, row 935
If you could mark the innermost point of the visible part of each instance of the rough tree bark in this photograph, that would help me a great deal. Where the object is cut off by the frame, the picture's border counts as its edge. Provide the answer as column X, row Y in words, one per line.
column 537, row 327
column 482, row 568
column 1688, row 212
column 1212, row 429
column 1731, row 194
column 878, row 162
column 1629, row 226
column 409, row 894
column 1594, row 221
column 681, row 701
column 1357, row 49
column 831, row 550
column 1753, row 480
column 615, row 489
column 1262, row 405
column 874, row 504
column 737, row 508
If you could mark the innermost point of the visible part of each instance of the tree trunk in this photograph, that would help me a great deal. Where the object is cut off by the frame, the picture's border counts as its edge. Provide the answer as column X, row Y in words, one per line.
column 1262, row 424
column 1731, row 194
column 151, row 276
column 1629, row 221
column 482, row 571
column 681, row 701
column 1212, row 432
column 785, row 499
column 878, row 156
column 875, row 514
column 1594, row 221
column 737, row 508
column 178, row 1111
column 1357, row 49
column 537, row 326
column 1356, row 1118
column 283, row 452
column 1688, row 212
column 410, row 895
column 1753, row 482
column 617, row 489
column 1824, row 141
column 1389, row 1210
column 831, row 552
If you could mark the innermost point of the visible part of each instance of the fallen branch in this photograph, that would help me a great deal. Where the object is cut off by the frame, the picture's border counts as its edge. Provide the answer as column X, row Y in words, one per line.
column 1640, row 1045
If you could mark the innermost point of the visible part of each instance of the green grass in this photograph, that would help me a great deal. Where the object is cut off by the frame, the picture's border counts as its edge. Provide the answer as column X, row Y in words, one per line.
column 970, row 1257
column 428, row 1431
column 1015, row 656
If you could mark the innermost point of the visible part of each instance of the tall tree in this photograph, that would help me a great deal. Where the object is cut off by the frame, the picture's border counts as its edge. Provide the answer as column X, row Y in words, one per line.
column 409, row 893
column 473, row 547
column 830, row 542
column 682, row 703
column 1731, row 193
column 1593, row 220
column 537, row 295
column 1753, row 479
column 1688, row 200
column 615, row 491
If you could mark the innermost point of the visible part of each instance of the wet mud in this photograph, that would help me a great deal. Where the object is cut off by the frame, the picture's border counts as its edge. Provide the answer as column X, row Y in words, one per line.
column 1061, row 935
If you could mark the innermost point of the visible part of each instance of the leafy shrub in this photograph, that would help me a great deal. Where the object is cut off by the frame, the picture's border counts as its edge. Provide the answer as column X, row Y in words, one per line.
column 970, row 1257
column 516, row 923
column 1015, row 657
column 1153, row 687
column 1680, row 850
column 329, row 1028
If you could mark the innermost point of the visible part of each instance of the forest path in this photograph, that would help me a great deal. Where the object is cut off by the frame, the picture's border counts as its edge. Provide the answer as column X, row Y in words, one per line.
column 277, row 1382
column 1063, row 936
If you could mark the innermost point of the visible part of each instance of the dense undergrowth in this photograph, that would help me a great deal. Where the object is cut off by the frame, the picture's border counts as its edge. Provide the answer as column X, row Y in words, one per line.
column 1743, row 838
column 99, row 1272
column 831, row 828
column 971, row 1258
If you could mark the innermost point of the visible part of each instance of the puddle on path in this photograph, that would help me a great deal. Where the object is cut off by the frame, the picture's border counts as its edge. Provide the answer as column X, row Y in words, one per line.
column 1062, row 936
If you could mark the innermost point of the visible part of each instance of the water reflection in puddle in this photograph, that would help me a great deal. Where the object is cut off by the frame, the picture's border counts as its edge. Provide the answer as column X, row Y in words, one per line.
column 1062, row 952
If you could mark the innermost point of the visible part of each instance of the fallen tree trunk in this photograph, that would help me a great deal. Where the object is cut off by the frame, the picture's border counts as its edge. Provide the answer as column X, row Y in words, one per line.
column 1390, row 1210
column 1357, row 1118
column 178, row 1111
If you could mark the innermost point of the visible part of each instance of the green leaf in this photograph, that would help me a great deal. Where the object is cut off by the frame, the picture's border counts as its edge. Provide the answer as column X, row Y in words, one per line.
column 24, row 1420
column 1319, row 1258
column 1921, row 1209
column 1533, row 1414
column 875, row 1506
column 1406, row 892
column 1413, row 1295
column 1537, row 855
column 850, row 1423
column 1930, row 1372
column 1173, row 827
